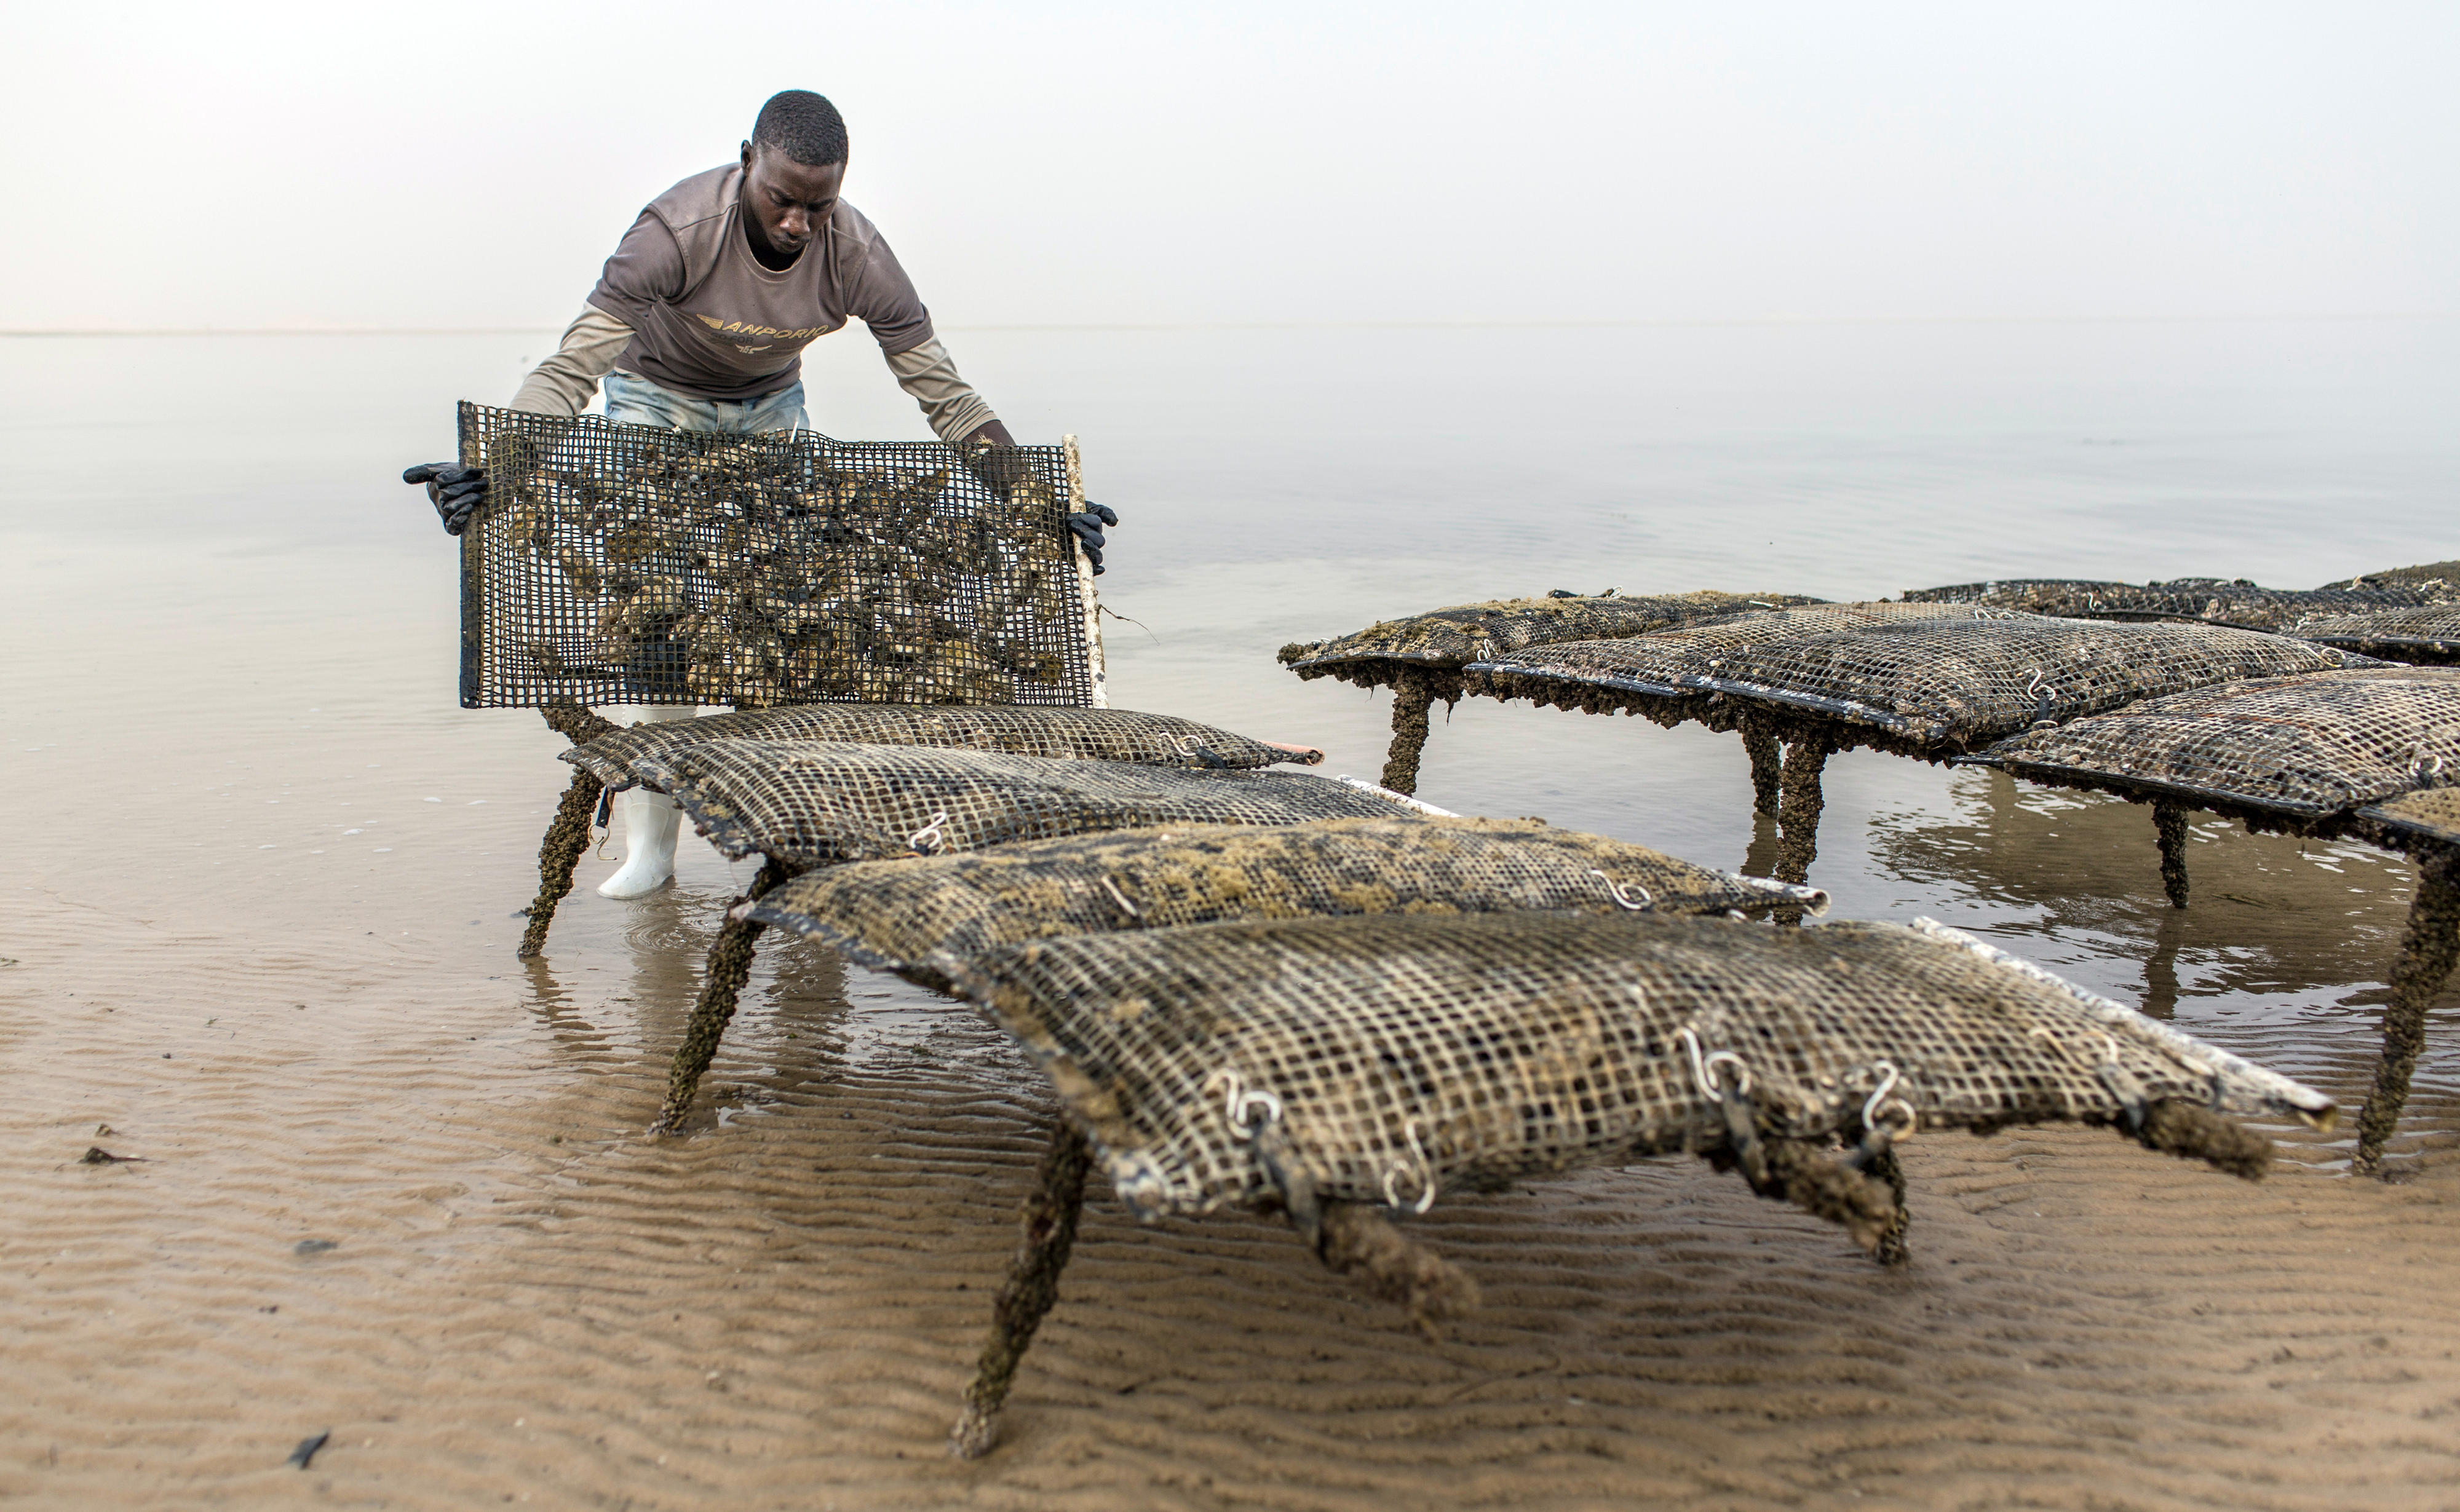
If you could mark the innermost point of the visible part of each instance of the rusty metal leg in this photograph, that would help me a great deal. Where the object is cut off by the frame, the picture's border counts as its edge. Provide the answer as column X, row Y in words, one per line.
column 567, row 836
column 1049, row 1233
column 2170, row 823
column 1413, row 696
column 2427, row 952
column 729, row 966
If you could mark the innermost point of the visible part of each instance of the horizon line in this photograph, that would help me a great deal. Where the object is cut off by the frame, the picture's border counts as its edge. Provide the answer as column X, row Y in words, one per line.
column 37, row 332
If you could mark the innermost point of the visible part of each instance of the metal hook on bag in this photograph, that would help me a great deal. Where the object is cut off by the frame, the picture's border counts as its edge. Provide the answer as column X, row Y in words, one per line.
column 927, row 840
column 603, row 821
column 2122, row 1085
column 1241, row 1101
column 1645, row 903
column 1701, row 1066
column 2039, row 691
column 1879, row 1103
column 1887, row 1074
column 1425, row 1174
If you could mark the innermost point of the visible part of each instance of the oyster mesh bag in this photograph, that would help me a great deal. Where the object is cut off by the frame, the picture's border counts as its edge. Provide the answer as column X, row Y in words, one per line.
column 2417, row 822
column 2441, row 579
column 1931, row 674
column 2215, row 601
column 817, row 804
column 629, row 564
column 2299, row 746
column 1388, row 1060
column 1451, row 638
column 894, row 914
column 2431, row 633
column 1081, row 734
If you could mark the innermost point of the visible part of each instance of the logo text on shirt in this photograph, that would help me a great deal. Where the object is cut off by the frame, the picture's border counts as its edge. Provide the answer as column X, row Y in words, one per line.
column 726, row 328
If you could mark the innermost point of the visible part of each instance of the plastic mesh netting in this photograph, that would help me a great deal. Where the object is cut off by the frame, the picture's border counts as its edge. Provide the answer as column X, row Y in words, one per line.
column 2441, row 579
column 629, row 564
column 2214, row 600
column 1386, row 1060
column 2417, row 821
column 2428, row 635
column 899, row 914
column 1928, row 674
column 2298, row 746
column 1451, row 638
column 815, row 805
column 1081, row 734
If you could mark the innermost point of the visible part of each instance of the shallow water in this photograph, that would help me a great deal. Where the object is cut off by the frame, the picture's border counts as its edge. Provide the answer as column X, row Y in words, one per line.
column 259, row 925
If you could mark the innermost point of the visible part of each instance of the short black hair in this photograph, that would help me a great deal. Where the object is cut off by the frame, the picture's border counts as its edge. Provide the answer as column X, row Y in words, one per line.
column 802, row 125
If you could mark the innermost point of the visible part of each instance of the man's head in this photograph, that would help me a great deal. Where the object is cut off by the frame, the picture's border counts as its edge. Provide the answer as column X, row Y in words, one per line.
column 792, row 168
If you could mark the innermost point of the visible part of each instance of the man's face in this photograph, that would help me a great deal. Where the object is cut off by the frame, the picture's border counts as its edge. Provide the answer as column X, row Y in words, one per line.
column 786, row 202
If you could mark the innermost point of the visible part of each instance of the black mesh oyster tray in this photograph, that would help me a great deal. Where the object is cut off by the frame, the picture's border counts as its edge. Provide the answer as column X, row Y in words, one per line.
column 2213, row 600
column 2299, row 748
column 1937, row 675
column 910, row 915
column 1058, row 732
column 632, row 564
column 1391, row 1058
column 1449, row 639
column 813, row 805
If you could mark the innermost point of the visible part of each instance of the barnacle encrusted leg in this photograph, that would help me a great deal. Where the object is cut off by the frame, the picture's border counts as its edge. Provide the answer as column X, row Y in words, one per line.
column 1768, row 766
column 1355, row 1240
column 2189, row 1132
column 1892, row 1250
column 1413, row 695
column 1048, row 1234
column 1799, row 811
column 1859, row 1202
column 567, row 836
column 576, row 722
column 2170, row 823
column 2427, row 952
column 729, row 966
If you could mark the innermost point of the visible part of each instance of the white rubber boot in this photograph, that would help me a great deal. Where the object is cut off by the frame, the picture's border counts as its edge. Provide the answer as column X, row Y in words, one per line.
column 651, row 820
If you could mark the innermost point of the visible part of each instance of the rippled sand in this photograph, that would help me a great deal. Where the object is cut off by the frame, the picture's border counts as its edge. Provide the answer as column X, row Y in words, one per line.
column 258, row 925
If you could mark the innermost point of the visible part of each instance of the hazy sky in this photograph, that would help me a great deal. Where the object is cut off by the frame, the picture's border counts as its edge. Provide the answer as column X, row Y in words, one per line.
column 471, row 165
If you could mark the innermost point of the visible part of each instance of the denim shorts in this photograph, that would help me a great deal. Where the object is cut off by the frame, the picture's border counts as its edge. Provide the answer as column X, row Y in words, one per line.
column 634, row 400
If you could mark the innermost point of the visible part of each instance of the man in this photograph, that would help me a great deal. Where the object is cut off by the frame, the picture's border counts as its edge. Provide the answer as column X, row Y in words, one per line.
column 698, row 323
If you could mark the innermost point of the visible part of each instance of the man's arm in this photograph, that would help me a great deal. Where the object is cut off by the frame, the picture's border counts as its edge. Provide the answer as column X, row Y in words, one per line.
column 958, row 415
column 562, row 385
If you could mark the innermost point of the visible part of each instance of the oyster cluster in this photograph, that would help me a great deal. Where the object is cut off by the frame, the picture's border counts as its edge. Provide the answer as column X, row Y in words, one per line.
column 753, row 573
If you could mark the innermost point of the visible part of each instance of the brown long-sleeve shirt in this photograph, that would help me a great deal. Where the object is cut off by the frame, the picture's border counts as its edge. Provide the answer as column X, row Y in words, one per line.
column 683, row 304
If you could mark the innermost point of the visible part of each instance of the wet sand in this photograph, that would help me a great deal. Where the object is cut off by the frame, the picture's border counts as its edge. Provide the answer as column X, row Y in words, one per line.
column 258, row 927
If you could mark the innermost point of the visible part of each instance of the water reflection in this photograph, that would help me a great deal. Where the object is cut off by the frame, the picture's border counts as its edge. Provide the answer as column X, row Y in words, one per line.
column 1759, row 858
column 2283, row 953
column 2270, row 914
column 2161, row 967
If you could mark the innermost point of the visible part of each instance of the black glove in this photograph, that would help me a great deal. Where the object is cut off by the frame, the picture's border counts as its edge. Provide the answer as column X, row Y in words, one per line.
column 1087, row 527
column 454, row 490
